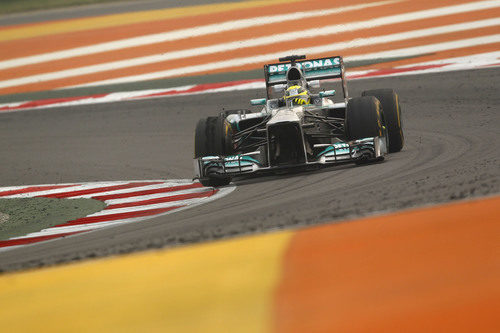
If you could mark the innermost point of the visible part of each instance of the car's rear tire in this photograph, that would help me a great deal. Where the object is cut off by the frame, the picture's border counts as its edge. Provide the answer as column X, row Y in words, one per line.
column 392, row 116
column 363, row 118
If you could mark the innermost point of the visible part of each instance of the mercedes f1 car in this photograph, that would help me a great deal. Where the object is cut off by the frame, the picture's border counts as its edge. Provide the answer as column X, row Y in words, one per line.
column 284, row 135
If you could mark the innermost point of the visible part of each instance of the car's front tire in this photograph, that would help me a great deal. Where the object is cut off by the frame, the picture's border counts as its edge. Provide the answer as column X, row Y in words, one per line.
column 215, row 181
column 212, row 138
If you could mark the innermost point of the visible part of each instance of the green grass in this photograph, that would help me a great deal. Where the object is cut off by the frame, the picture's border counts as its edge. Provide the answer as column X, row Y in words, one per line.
column 21, row 216
column 17, row 6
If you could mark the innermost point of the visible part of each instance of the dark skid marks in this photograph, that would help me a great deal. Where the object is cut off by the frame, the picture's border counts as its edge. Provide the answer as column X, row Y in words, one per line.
column 452, row 152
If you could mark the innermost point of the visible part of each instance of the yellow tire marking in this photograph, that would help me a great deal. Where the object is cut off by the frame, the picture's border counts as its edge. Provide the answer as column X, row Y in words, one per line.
column 217, row 287
column 378, row 119
column 99, row 22
column 397, row 110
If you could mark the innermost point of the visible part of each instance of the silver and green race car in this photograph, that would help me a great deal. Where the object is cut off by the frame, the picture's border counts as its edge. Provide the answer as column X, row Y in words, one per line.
column 282, row 135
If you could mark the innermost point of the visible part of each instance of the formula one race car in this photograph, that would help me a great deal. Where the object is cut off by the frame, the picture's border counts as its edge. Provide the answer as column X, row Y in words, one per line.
column 300, row 128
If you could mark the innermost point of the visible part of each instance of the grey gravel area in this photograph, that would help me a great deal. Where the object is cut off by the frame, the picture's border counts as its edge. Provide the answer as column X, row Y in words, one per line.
column 3, row 218
column 452, row 152
column 21, row 216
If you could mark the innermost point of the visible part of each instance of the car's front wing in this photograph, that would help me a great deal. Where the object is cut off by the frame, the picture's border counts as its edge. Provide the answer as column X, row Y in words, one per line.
column 337, row 153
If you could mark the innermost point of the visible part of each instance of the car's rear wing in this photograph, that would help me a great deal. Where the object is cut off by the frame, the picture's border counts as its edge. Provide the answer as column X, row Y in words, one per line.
column 313, row 69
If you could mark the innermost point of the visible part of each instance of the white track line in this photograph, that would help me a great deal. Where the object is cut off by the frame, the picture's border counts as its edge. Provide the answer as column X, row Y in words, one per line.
column 156, row 196
column 146, row 207
column 224, row 47
column 130, row 191
column 80, row 227
column 78, row 187
column 182, row 34
column 290, row 36
column 99, row 225
column 473, row 61
column 90, row 186
column 411, row 51
column 423, row 49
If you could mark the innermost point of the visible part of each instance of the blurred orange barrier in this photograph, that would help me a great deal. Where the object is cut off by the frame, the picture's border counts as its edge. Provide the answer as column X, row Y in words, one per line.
column 430, row 269
column 434, row 269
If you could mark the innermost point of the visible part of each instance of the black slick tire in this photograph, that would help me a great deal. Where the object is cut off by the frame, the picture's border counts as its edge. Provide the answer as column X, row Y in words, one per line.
column 215, row 181
column 200, row 139
column 212, row 138
column 392, row 116
column 363, row 118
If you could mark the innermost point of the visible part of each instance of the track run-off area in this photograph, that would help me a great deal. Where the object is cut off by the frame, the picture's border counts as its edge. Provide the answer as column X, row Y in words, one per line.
column 204, row 39
column 125, row 202
column 410, row 244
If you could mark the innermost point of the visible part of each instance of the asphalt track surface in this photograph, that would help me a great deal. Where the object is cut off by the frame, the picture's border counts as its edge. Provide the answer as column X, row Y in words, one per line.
column 451, row 122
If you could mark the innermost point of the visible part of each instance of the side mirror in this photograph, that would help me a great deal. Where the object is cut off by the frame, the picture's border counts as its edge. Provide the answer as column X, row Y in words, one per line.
column 258, row 101
column 327, row 93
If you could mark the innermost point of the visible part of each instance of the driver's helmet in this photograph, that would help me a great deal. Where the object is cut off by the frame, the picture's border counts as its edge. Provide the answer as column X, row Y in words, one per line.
column 297, row 95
